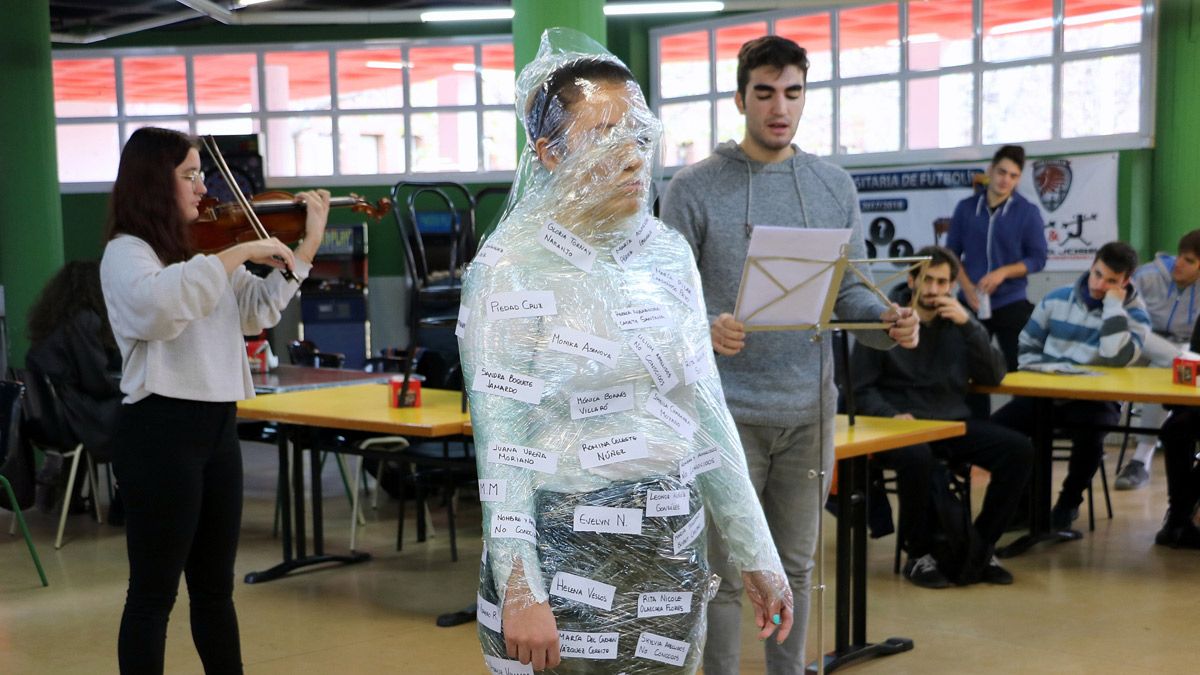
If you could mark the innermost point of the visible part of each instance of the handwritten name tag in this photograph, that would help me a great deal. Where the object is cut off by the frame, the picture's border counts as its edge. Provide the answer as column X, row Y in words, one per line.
column 563, row 243
column 489, row 254
column 524, row 388
column 582, row 589
column 460, row 329
column 520, row 305
column 702, row 462
column 575, row 342
column 695, row 366
column 513, row 525
column 661, row 373
column 499, row 666
column 641, row 316
column 587, row 645
column 688, row 534
column 596, row 452
column 676, row 286
column 661, row 503
column 662, row 649
column 671, row 415
column 663, row 604
column 523, row 457
column 608, row 520
column 625, row 251
column 586, row 404
column 487, row 613
column 492, row 490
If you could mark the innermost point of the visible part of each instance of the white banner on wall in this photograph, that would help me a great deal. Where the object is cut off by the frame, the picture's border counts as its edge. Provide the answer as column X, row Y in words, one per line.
column 904, row 208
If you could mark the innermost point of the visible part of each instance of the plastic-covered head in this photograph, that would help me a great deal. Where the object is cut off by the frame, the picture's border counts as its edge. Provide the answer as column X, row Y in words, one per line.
column 592, row 139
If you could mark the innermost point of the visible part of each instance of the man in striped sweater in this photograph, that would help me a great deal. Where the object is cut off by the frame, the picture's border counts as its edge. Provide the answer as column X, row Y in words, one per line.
column 1100, row 320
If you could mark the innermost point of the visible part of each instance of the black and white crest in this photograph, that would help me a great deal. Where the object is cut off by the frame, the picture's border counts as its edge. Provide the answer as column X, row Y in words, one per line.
column 1052, row 178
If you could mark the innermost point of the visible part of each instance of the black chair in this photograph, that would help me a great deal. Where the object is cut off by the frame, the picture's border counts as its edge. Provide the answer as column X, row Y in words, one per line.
column 11, row 396
column 447, row 464
column 1062, row 453
column 305, row 353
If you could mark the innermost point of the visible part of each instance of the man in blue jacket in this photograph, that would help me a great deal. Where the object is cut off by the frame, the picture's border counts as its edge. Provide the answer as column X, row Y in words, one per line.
column 1000, row 238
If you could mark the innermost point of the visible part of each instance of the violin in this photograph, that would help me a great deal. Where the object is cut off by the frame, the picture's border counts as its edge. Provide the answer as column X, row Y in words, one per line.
column 282, row 216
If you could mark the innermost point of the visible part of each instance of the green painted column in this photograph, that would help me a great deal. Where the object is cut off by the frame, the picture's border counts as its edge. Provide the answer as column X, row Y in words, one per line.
column 1176, row 171
column 31, row 239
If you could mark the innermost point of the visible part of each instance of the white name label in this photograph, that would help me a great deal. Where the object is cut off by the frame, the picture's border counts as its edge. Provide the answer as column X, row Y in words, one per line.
column 685, row 292
column 671, row 415
column 586, row 404
column 487, row 614
column 489, row 254
column 661, row 503
column 662, row 649
column 661, row 373
column 492, row 490
column 688, row 534
column 563, row 243
column 596, row 348
column 625, row 251
column 596, row 452
column 705, row 461
column 663, row 604
column 499, row 666
column 524, row 388
column 695, row 366
column 640, row 316
column 587, row 645
column 582, row 589
column 520, row 305
column 523, row 457
column 460, row 329
column 608, row 520
column 513, row 525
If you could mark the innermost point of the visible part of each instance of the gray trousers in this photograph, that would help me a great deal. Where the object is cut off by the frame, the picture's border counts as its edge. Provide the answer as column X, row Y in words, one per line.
column 779, row 461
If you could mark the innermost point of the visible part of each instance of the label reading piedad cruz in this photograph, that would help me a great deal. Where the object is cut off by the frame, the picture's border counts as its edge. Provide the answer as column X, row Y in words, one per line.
column 520, row 305
column 563, row 243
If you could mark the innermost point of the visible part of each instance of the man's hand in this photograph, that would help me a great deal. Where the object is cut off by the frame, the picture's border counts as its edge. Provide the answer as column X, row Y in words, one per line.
column 728, row 335
column 1117, row 293
column 905, row 325
column 991, row 281
column 530, row 632
column 952, row 310
column 771, row 597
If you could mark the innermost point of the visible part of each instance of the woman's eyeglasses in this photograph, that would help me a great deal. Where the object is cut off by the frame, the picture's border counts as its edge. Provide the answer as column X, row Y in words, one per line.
column 193, row 177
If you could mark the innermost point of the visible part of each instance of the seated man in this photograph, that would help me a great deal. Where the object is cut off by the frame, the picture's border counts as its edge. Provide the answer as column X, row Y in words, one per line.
column 1097, row 321
column 1168, row 285
column 1179, row 435
column 930, row 382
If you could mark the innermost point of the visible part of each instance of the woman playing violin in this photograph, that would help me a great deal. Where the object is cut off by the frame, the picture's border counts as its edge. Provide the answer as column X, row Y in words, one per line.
column 178, row 320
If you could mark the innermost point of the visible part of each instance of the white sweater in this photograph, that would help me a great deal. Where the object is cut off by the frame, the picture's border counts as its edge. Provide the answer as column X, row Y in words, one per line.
column 180, row 326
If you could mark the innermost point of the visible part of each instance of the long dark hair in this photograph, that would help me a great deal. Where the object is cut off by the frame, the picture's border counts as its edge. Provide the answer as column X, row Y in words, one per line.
column 143, row 197
column 74, row 289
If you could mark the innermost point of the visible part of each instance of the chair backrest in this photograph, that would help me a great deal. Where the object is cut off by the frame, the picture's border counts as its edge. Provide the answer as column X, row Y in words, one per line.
column 436, row 222
column 45, row 422
column 11, row 394
column 305, row 353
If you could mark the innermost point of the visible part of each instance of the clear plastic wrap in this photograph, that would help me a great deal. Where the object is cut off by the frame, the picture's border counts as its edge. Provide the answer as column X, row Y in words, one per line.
column 603, row 438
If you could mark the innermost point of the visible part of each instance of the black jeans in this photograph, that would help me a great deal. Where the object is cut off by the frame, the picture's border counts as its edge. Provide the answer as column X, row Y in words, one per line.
column 1006, row 454
column 1179, row 434
column 1078, row 420
column 1006, row 324
column 180, row 469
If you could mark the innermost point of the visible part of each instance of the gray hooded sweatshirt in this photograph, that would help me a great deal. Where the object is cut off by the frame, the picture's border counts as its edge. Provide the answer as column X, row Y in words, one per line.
column 715, row 203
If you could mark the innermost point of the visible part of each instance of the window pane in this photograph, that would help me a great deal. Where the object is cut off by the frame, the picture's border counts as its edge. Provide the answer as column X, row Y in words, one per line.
column 498, row 77
column 499, row 140
column 812, row 33
column 370, row 144
column 1016, row 104
column 869, row 40
column 297, row 81
column 300, row 146
column 731, row 124
column 940, row 111
column 683, row 64
column 815, row 132
column 154, row 85
column 940, row 34
column 370, row 78
column 225, row 83
column 178, row 125
column 87, row 152
column 1102, row 96
column 232, row 126
column 687, row 133
column 729, row 41
column 442, row 76
column 1017, row 29
column 870, row 118
column 1090, row 24
column 85, row 88
column 445, row 142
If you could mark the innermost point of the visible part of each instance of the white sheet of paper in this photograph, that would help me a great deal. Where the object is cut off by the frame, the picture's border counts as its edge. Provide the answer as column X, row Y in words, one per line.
column 663, row 603
column 487, row 613
column 805, row 273
column 581, row 589
column 493, row 490
column 663, row 649
column 499, row 666
column 606, row 519
column 588, row 645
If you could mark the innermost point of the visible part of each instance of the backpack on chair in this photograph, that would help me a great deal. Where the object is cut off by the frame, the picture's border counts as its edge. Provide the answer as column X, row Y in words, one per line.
column 960, row 552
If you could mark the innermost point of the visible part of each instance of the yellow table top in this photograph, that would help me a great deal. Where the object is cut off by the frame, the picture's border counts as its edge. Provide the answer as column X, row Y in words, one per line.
column 876, row 434
column 1147, row 385
column 361, row 407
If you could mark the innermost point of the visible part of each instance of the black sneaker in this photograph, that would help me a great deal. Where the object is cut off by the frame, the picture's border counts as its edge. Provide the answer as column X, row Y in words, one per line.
column 1062, row 517
column 924, row 572
column 993, row 573
column 1178, row 536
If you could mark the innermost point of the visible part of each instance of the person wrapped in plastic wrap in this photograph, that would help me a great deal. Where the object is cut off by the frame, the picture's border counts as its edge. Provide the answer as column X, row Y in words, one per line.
column 603, row 438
